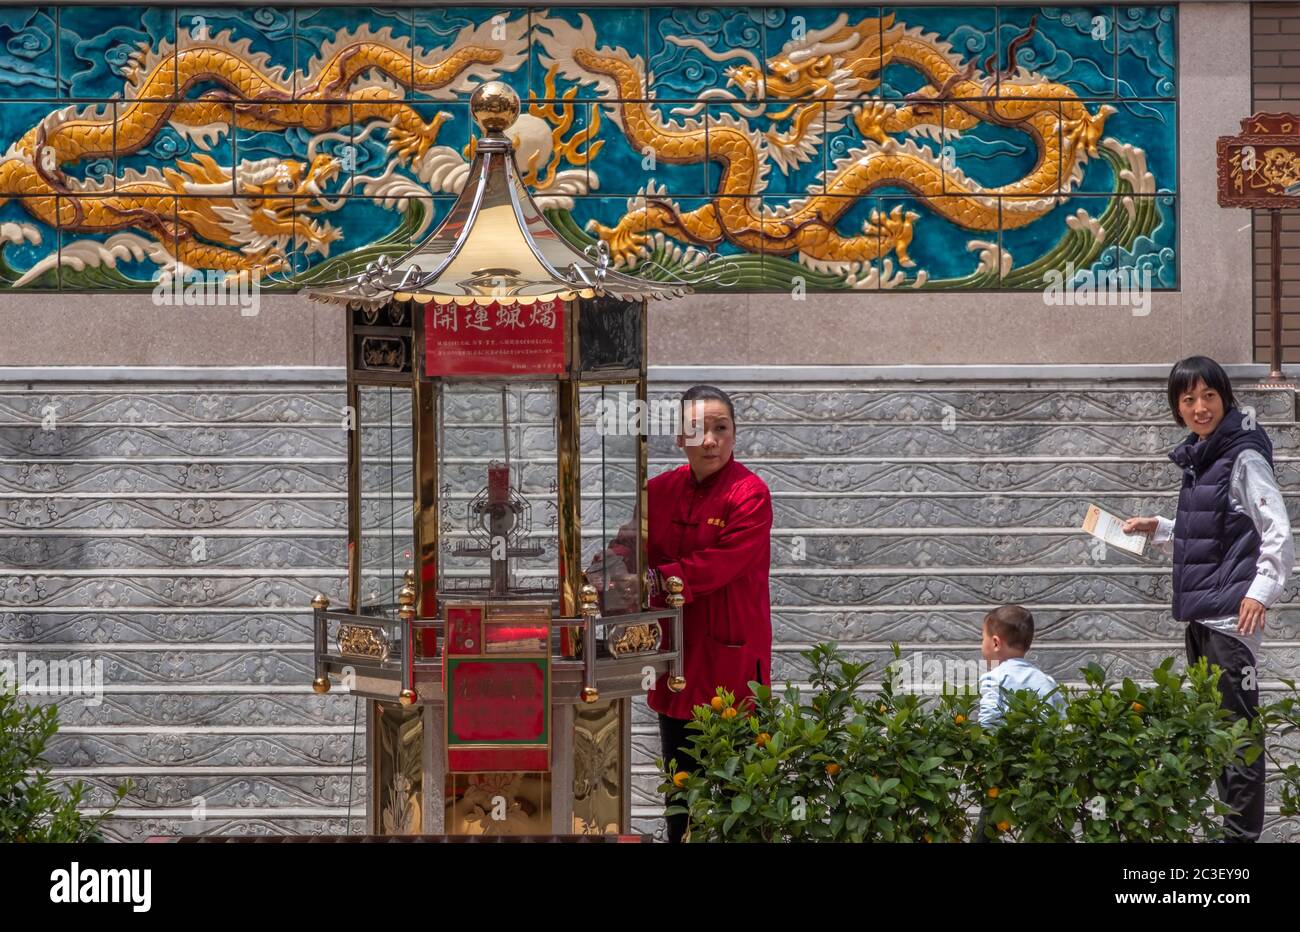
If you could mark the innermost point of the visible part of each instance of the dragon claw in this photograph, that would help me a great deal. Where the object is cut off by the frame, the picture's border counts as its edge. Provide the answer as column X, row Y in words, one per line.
column 626, row 244
column 871, row 117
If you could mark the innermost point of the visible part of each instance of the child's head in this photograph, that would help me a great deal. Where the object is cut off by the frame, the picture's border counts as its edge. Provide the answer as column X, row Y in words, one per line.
column 1008, row 632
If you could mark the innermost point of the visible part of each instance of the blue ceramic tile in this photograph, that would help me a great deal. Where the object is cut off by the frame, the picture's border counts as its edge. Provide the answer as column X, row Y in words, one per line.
column 27, row 59
column 626, row 214
column 168, row 146
column 1147, row 51
column 1153, row 253
column 1072, row 46
column 622, row 168
column 558, row 32
column 555, row 144
column 855, row 244
column 100, row 51
column 432, row 211
column 942, row 234
column 447, row 127
column 322, row 36
column 697, row 48
column 1047, row 241
column 261, row 36
column 990, row 157
column 498, row 36
column 823, row 52
column 39, row 241
column 89, row 248
column 962, row 36
column 1151, row 126
column 751, row 154
column 17, row 119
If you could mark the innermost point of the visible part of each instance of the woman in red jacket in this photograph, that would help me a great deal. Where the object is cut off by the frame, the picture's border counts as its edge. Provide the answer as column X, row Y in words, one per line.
column 710, row 525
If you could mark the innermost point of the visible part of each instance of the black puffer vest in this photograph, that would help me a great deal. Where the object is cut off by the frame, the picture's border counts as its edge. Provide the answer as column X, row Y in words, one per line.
column 1215, row 547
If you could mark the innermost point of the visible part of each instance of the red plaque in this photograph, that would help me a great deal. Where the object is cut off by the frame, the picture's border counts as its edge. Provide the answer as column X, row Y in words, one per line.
column 465, row 629
column 494, row 339
column 498, row 715
column 1261, row 166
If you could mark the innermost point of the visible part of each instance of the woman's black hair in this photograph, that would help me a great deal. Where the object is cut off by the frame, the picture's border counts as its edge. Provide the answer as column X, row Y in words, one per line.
column 1187, row 372
column 709, row 393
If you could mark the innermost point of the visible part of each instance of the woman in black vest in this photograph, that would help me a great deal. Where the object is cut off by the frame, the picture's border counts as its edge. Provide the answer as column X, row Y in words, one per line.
column 1232, row 549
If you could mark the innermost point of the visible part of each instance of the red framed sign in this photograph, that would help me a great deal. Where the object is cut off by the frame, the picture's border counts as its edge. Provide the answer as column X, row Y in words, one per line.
column 1260, row 167
column 494, row 339
column 497, row 681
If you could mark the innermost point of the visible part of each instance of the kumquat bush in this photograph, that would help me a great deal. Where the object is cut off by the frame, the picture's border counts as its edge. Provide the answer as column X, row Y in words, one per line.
column 846, row 763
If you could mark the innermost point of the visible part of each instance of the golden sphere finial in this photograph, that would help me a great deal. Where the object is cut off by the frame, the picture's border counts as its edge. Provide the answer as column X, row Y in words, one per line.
column 320, row 685
column 495, row 106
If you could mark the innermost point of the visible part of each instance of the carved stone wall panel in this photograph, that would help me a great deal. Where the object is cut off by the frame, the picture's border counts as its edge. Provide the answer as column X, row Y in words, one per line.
column 164, row 551
column 215, row 706
column 168, row 404
column 277, row 513
column 184, row 748
column 238, row 626
column 65, row 476
column 208, row 441
column 902, row 512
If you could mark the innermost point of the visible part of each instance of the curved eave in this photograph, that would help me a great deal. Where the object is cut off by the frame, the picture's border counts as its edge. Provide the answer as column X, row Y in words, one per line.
column 442, row 269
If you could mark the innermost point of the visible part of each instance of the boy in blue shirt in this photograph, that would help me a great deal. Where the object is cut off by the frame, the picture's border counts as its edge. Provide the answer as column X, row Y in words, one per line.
column 1008, row 632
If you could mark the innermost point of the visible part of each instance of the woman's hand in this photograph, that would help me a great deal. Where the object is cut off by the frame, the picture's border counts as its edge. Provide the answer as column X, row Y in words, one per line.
column 1145, row 526
column 1250, row 617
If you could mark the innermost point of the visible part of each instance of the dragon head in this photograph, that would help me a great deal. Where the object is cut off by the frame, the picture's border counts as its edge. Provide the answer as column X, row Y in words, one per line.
column 837, row 61
column 281, row 192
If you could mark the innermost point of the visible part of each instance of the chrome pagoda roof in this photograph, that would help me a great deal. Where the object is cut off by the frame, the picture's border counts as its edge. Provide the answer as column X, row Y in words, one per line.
column 495, row 246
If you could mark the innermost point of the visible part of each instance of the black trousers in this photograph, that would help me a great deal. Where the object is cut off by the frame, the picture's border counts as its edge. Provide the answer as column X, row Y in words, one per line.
column 675, row 740
column 1241, row 787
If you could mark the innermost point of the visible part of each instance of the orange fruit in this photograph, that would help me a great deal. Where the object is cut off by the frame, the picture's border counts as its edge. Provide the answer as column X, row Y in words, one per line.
column 832, row 769
column 883, row 710
column 1138, row 707
column 729, row 713
column 960, row 719
column 1004, row 825
column 717, row 703
column 993, row 792
column 680, row 778
column 927, row 838
column 762, row 739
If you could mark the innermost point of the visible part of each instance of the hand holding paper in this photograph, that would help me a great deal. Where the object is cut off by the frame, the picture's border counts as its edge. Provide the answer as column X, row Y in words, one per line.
column 1107, row 527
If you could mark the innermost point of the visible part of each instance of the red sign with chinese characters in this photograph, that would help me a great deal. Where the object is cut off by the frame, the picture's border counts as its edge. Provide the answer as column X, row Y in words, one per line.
column 497, row 715
column 1260, row 167
column 494, row 339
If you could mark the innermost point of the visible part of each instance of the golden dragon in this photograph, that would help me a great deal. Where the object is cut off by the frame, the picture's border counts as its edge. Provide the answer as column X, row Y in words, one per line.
column 821, row 71
column 245, row 217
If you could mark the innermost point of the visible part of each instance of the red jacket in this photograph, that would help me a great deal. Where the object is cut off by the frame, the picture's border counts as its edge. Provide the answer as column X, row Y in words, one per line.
column 715, row 536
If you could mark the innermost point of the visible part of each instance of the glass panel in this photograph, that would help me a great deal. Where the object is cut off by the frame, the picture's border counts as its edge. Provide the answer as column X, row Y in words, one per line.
column 613, row 420
column 387, row 538
column 609, row 334
column 497, row 489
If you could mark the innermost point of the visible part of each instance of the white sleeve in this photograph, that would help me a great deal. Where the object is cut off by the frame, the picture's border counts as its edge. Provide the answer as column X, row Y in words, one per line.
column 1255, row 490
column 1164, row 534
column 990, row 699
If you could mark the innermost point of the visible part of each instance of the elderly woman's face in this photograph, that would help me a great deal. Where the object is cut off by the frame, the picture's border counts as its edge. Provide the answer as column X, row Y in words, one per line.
column 709, row 438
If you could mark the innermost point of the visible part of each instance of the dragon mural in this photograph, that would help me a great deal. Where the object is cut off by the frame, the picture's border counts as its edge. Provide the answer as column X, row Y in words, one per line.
column 867, row 169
